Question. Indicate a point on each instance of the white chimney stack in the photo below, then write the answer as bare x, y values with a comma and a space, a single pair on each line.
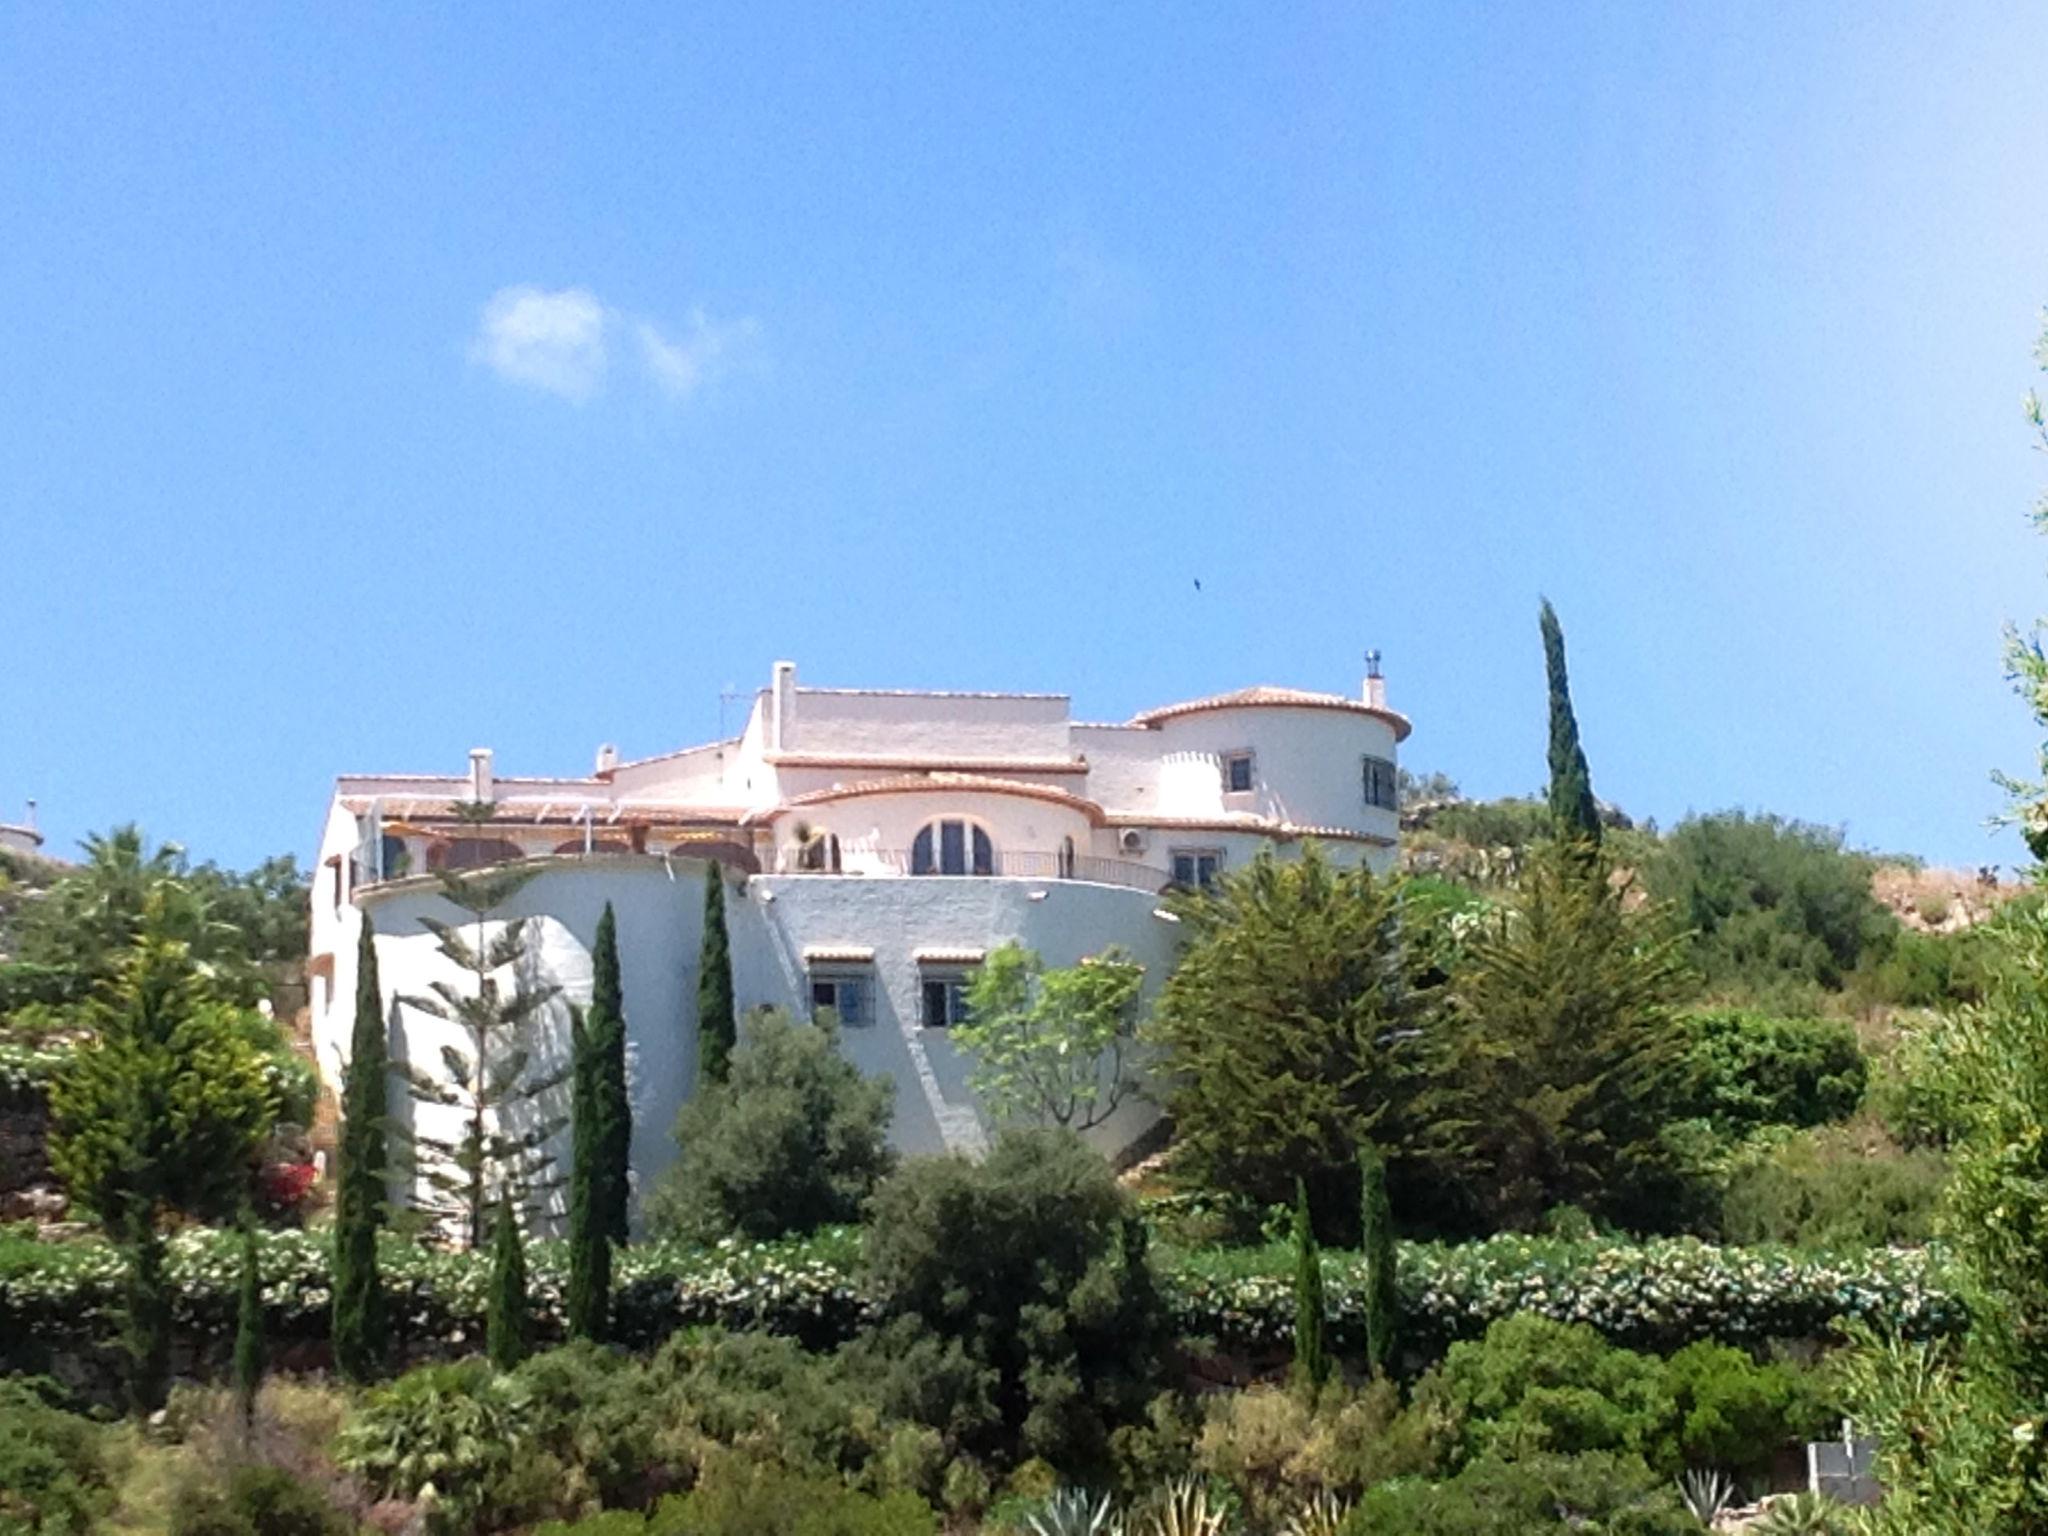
480, 786
782, 708
1375, 685
607, 758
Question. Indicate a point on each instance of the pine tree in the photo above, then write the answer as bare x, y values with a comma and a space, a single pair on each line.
362, 1193
490, 1082
716, 1026
1382, 1295
1572, 808
162, 1111
1311, 1361
506, 1327
613, 1146
249, 1350
589, 1290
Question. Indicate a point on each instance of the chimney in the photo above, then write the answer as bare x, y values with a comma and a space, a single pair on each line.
607, 759
1375, 685
480, 788
782, 708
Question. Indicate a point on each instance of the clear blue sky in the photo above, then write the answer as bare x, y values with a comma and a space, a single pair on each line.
377, 384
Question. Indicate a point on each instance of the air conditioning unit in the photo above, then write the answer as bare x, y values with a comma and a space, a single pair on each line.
1131, 840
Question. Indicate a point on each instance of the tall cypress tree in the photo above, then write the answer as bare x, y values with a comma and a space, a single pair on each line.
1572, 808
613, 1146
249, 1351
506, 1326
1311, 1359
589, 1291
717, 1029
359, 1207
1382, 1296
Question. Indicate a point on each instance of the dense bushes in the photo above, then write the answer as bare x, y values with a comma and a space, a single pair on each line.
53, 1473
1777, 909
1832, 1188
792, 1139
1033, 1262
1745, 1070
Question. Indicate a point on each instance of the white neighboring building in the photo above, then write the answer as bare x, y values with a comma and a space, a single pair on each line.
876, 844
22, 836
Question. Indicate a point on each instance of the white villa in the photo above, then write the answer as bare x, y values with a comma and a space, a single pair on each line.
875, 843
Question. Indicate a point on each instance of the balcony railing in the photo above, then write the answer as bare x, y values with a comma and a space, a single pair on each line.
1011, 863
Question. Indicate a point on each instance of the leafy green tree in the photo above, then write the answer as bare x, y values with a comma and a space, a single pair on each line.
717, 1023
1311, 1358
1382, 1287
793, 1139
494, 1080
162, 1111
250, 1354
1533, 1384
613, 1146
1291, 1031
362, 1194
1050, 1045
507, 1324
1570, 1042
1572, 807
1746, 1070
1777, 908
1023, 1260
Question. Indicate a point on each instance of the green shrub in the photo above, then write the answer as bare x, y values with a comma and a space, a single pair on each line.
1277, 1451
793, 1139
590, 1410
1505, 823
1736, 1414
1746, 1069
463, 1429
1601, 1494
612, 1522
753, 1498
1533, 1385
53, 1473
256, 1501
1777, 908
1829, 1189
1929, 970
1033, 1261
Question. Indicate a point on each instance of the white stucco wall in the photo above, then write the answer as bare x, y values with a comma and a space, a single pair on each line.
887, 824
943, 724
1307, 765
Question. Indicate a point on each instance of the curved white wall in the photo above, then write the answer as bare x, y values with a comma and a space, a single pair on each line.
1307, 765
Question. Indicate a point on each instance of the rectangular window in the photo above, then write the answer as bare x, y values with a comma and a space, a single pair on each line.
848, 995
1381, 790
1237, 773
1196, 868
942, 999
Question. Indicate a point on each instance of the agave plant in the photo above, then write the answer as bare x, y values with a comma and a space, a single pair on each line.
1706, 1493
1322, 1515
1182, 1508
1073, 1512
1804, 1514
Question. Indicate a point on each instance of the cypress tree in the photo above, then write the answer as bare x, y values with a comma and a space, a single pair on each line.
505, 1319
1382, 1298
249, 1350
146, 1310
1572, 809
1311, 1361
589, 1251
716, 1028
360, 1200
613, 1146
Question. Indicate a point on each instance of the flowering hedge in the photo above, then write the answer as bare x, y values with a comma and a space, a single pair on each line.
1658, 1295
1655, 1295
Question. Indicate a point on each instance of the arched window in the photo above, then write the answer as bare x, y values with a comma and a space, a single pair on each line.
952, 847
1066, 858
394, 859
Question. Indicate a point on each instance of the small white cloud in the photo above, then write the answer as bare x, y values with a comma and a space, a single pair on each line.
708, 350
547, 339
